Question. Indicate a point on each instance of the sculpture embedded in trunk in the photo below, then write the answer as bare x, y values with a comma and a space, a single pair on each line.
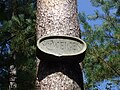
57, 18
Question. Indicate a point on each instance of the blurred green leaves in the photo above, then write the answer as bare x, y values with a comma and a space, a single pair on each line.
18, 34
102, 57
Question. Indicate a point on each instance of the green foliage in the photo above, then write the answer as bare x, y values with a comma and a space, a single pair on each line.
17, 42
102, 56
18, 34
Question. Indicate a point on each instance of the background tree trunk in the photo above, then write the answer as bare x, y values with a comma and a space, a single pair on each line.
58, 17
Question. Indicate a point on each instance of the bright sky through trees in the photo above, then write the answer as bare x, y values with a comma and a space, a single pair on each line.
86, 7
101, 32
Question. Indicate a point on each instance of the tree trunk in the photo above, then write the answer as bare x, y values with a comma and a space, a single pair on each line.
58, 17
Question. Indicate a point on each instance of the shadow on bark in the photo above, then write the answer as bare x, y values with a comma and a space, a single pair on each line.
72, 70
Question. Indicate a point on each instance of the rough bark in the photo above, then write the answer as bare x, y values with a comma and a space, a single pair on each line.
58, 17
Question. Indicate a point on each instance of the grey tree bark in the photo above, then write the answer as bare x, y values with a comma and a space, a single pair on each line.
58, 17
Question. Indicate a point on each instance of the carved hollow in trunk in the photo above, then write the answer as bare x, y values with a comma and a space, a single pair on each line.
58, 17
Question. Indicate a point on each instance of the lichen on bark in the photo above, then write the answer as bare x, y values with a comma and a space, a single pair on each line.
58, 17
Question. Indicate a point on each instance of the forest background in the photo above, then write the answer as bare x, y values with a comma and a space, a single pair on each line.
100, 30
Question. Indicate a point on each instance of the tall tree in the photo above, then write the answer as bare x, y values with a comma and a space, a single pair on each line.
58, 17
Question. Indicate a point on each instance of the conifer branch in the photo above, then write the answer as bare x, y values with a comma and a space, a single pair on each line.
6, 40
